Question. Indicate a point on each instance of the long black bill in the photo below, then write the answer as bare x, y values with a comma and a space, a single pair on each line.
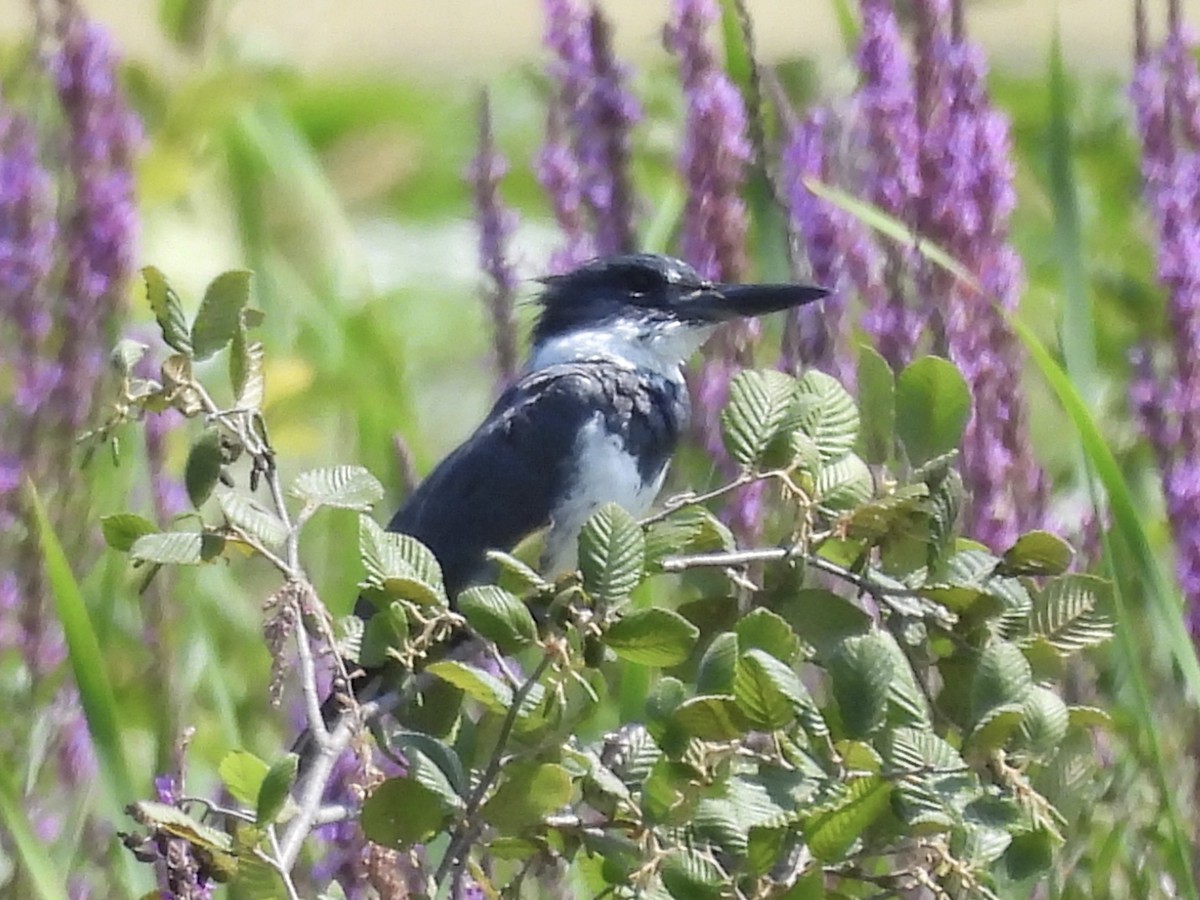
731, 301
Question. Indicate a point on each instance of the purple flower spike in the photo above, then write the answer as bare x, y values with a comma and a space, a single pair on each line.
584, 162
1166, 97
496, 226
103, 136
716, 149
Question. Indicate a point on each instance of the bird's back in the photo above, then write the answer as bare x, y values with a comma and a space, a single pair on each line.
562, 441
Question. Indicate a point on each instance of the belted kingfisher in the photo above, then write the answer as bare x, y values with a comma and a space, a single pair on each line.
594, 418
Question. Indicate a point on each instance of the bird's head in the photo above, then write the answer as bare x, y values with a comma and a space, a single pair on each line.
648, 308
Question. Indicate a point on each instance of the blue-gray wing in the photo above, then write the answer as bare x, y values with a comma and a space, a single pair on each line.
502, 483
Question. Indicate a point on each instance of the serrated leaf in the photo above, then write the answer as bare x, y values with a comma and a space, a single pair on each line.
1068, 615
246, 375
1030, 854
251, 517
687, 875
995, 727
517, 575
830, 418
401, 812
1044, 722
126, 355
691, 529
123, 529
1002, 677
181, 548
476, 683
1089, 717
933, 404
767, 631
342, 487
905, 698
900, 513
862, 670
845, 483
877, 402
168, 311
823, 619
203, 466
179, 824
761, 405
652, 637
386, 630
399, 567
426, 771
273, 793
832, 832
767, 691
499, 616
242, 773
611, 553
528, 792
714, 717
1037, 553
438, 753
220, 314
715, 672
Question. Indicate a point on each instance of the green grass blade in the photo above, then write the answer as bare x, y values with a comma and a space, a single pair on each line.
31, 854
1128, 524
87, 662
889, 226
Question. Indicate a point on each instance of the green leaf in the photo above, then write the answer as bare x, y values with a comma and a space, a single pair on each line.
342, 487
905, 698
402, 812
767, 690
528, 792
476, 683
1030, 854
426, 768
246, 371
127, 354
1067, 613
1044, 722
823, 618
168, 311
933, 404
499, 616
1002, 677
180, 548
899, 514
220, 314
715, 672
845, 483
1037, 553
767, 631
203, 468
687, 875
862, 670
242, 773
248, 515
652, 637
123, 529
830, 417
517, 575
399, 566
830, 833
877, 402
611, 553
88, 661
761, 406
714, 717
273, 793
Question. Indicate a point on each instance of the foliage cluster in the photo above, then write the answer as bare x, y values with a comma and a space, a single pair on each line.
868, 700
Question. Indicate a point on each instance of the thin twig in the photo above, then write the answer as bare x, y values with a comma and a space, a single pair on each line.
467, 822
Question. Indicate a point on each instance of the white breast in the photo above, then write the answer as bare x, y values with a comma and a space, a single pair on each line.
606, 474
